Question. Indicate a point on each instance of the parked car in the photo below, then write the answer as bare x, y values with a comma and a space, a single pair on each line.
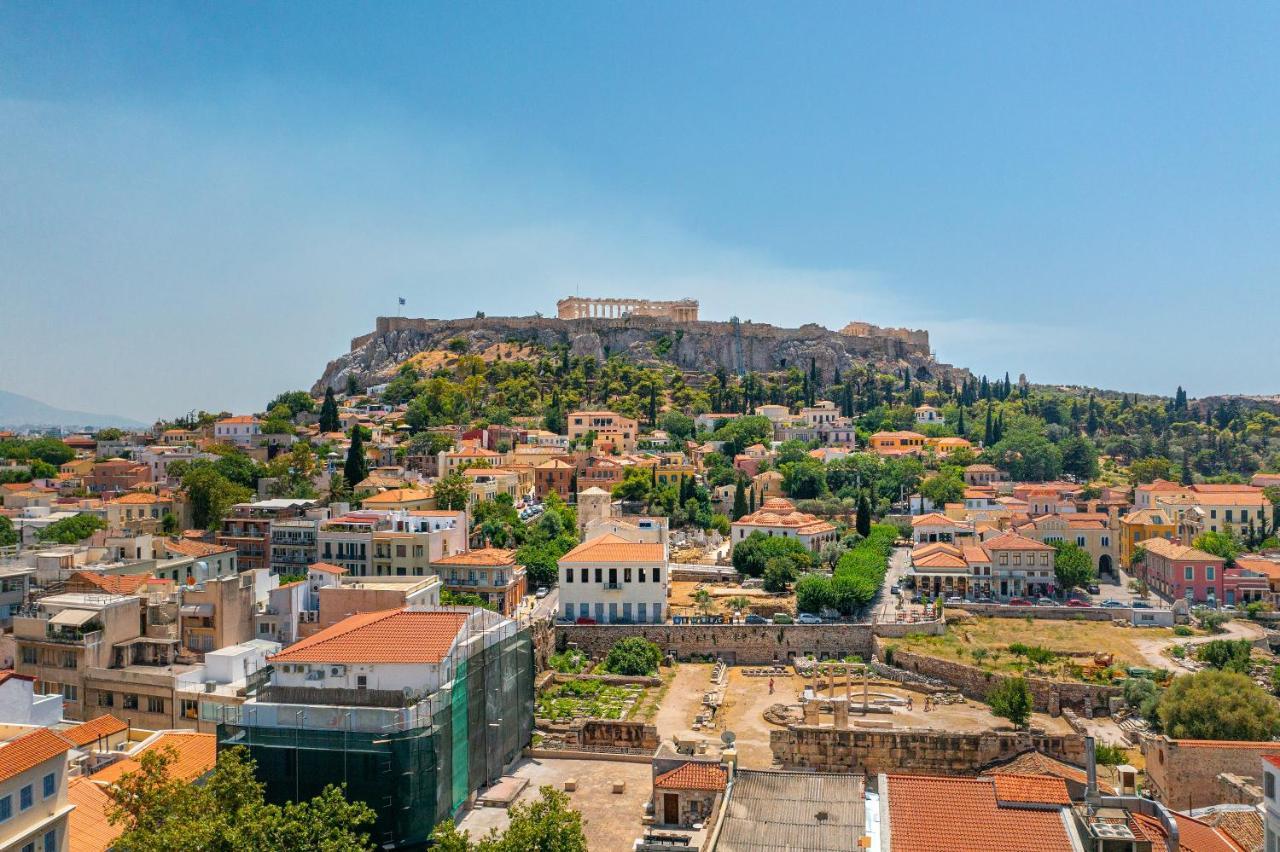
755, 619
782, 618
1112, 604
1093, 589
984, 599
894, 590
954, 599
1046, 602
1019, 602
585, 620
1140, 605
541, 592
807, 618
1076, 602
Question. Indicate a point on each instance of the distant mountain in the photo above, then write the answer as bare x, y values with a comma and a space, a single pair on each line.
17, 411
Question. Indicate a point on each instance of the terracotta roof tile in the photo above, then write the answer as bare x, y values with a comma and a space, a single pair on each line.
612, 548
695, 775
483, 556
116, 584
1013, 541
1041, 789
326, 568
937, 814
88, 829
191, 547
29, 751
196, 755
91, 731
389, 636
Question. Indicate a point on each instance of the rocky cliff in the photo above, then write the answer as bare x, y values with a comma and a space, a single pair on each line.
691, 346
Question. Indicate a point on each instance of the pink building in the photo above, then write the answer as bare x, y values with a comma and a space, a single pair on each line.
1173, 571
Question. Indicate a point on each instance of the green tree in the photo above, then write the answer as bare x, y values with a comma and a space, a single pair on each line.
813, 593
8, 535
1147, 470
296, 401
1231, 655
329, 413
1072, 565
779, 572
1079, 457
739, 500
1011, 699
159, 812
356, 469
862, 523
943, 488
1221, 544
547, 824
451, 492
71, 530
633, 655
1218, 705
804, 480
169, 524
211, 494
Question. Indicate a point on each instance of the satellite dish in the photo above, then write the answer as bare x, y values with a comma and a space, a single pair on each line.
728, 737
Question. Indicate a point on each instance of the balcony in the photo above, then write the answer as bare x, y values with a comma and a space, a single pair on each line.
613, 586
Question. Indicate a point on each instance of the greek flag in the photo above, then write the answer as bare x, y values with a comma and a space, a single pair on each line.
402, 300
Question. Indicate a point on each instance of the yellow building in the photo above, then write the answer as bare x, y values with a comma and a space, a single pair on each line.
1140, 525
401, 498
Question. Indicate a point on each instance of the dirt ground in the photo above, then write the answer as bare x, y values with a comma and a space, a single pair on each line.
764, 603
612, 820
747, 698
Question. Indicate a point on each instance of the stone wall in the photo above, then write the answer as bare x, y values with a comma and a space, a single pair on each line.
736, 644
1050, 696
1053, 613
1184, 773
911, 751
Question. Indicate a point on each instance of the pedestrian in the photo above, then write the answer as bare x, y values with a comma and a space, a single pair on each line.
771, 686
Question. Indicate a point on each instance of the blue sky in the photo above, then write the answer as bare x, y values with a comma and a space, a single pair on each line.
201, 204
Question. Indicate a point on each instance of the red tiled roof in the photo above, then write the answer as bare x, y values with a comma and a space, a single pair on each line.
29, 751
1193, 835
191, 547
389, 636
1013, 541
116, 584
483, 556
612, 548
88, 829
93, 730
196, 755
327, 568
937, 814
695, 775
1041, 789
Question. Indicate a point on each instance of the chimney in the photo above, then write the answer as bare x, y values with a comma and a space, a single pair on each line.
1091, 797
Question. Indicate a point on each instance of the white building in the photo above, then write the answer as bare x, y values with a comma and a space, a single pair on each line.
779, 517
928, 414
612, 580
240, 431
1270, 802
20, 704
33, 792
406, 651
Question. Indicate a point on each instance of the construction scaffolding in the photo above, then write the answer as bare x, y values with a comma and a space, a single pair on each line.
413, 765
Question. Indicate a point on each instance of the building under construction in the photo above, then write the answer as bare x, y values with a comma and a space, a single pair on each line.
412, 709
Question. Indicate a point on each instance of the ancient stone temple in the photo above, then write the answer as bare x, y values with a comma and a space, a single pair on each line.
581, 307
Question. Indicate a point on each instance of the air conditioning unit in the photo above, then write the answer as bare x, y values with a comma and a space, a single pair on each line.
337, 671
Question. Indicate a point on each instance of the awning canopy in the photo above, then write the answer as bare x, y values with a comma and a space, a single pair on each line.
203, 610
73, 617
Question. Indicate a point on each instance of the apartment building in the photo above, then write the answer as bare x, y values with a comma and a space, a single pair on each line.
416, 539
61, 637
117, 476
293, 544
240, 431
248, 528
184, 556
491, 573
612, 431
137, 511
347, 541
554, 475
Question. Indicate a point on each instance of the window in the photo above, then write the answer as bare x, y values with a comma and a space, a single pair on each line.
6, 808
68, 659
599, 575
362, 681
154, 704
50, 785
1188, 572
582, 577
1079, 541
130, 702
28, 655
641, 579
31, 847
70, 692
657, 575
1208, 573
568, 575
26, 797
51, 841
626, 575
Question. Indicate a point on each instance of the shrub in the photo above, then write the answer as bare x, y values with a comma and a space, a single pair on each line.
1217, 705
1110, 755
1011, 699
633, 655
1182, 630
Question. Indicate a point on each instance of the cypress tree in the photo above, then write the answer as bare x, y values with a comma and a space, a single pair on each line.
356, 470
863, 521
751, 506
1186, 468
739, 500
988, 434
329, 412
960, 422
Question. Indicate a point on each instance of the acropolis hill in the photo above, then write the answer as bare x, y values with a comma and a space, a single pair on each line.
644, 331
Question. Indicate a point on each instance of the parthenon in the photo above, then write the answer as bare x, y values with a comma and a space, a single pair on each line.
580, 307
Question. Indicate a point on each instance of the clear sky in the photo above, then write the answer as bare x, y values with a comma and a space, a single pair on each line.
201, 204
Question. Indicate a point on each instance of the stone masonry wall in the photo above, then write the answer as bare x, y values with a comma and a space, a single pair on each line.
1050, 696
911, 751
1184, 773
736, 644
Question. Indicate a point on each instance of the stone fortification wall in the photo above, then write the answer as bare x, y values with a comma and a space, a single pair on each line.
737, 644
911, 751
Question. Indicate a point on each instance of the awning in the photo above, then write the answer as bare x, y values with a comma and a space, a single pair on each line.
202, 610
73, 617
